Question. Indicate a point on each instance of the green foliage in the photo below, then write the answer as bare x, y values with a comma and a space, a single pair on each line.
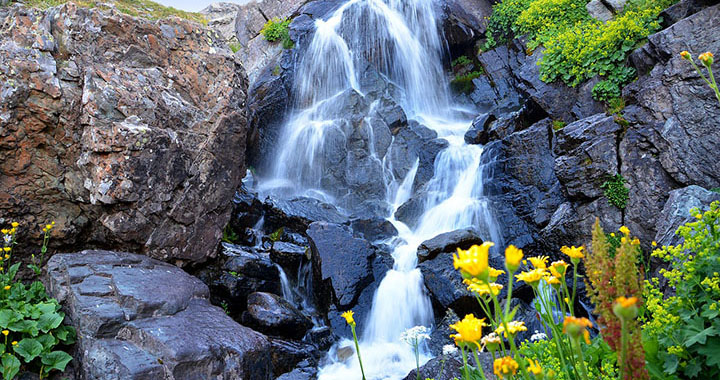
616, 106
501, 24
543, 19
599, 357
682, 331
558, 125
462, 60
615, 191
463, 84
235, 46
716, 190
230, 236
276, 29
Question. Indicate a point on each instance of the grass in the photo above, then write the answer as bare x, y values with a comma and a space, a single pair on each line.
136, 8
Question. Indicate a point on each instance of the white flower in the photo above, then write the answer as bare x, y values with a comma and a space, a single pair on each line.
415, 335
449, 349
8, 239
538, 336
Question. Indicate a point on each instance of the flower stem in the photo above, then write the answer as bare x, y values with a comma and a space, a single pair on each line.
417, 360
357, 350
578, 351
623, 347
572, 300
465, 365
479, 366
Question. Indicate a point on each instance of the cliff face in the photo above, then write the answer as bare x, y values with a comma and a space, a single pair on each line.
127, 133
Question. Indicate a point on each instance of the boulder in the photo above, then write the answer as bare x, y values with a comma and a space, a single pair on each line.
288, 255
448, 242
297, 214
676, 212
341, 263
599, 11
272, 315
478, 132
375, 229
290, 356
112, 129
587, 155
572, 224
137, 318
414, 143
452, 368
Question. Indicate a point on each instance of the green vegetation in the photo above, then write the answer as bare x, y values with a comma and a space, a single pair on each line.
615, 191
137, 8
235, 46
462, 84
558, 125
599, 358
682, 332
462, 60
578, 47
30, 321
276, 29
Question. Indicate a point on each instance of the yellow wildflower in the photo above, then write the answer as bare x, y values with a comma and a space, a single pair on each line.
575, 327
474, 261
706, 58
654, 243
6, 249
625, 230
15, 224
626, 308
494, 273
573, 252
7, 257
348, 315
685, 55
491, 342
552, 280
5, 332
513, 326
531, 277
559, 268
513, 256
5, 231
482, 288
539, 262
534, 367
505, 367
14, 342
469, 330
7, 287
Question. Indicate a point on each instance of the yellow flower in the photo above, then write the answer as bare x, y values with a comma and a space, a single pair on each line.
348, 315
494, 273
505, 367
559, 268
5, 231
7, 287
5, 332
706, 58
491, 341
7, 257
513, 326
552, 280
531, 277
685, 55
513, 256
469, 330
14, 343
534, 367
6, 249
626, 308
573, 252
539, 262
482, 288
474, 261
575, 327
654, 243
625, 230
15, 224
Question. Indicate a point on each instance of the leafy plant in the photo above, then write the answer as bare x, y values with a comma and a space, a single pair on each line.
707, 59
558, 125
615, 191
501, 24
277, 29
682, 331
235, 46
229, 235
462, 60
463, 84
543, 19
600, 359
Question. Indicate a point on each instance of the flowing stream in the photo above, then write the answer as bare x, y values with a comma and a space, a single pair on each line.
401, 39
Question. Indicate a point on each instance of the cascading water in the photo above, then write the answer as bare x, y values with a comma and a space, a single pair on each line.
401, 41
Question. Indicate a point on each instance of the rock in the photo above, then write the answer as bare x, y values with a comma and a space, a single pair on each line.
676, 212
288, 255
272, 315
440, 334
113, 130
298, 213
221, 18
681, 10
598, 10
247, 209
375, 229
505, 125
306, 370
587, 155
415, 143
616, 6
498, 88
452, 368
448, 242
572, 224
478, 132
341, 263
137, 318
411, 211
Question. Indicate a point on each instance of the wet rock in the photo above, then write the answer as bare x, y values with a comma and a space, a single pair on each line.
587, 155
508, 123
572, 223
306, 370
676, 212
448, 242
153, 319
116, 133
341, 263
271, 314
498, 88
247, 209
321, 337
598, 10
298, 213
415, 143
452, 368
411, 211
375, 229
440, 335
478, 132
288, 255
286, 355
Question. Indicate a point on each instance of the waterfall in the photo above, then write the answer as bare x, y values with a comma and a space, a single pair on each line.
401, 40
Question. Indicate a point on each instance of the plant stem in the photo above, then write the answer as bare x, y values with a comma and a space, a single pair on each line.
714, 85
578, 351
623, 348
465, 366
572, 300
417, 360
479, 366
357, 350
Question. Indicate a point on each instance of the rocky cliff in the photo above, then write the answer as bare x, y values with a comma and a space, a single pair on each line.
127, 133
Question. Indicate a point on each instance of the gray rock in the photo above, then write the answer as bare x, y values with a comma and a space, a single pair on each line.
153, 320
616, 5
452, 368
341, 263
598, 10
676, 212
478, 132
587, 155
448, 242
572, 223
272, 315
288, 255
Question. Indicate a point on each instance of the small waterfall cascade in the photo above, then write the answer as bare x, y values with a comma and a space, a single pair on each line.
401, 40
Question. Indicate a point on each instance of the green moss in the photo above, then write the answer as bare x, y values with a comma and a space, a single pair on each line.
558, 125
462, 84
616, 192
136, 8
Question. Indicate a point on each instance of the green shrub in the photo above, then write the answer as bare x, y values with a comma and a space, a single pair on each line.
235, 46
616, 192
682, 331
462, 84
462, 60
599, 357
276, 29
544, 19
501, 24
558, 125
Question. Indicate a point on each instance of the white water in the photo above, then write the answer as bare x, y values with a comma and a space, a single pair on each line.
401, 40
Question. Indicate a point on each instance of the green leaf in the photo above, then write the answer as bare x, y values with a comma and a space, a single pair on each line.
671, 363
13, 271
66, 334
711, 351
48, 341
9, 316
696, 333
10, 366
25, 326
29, 349
49, 321
56, 360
